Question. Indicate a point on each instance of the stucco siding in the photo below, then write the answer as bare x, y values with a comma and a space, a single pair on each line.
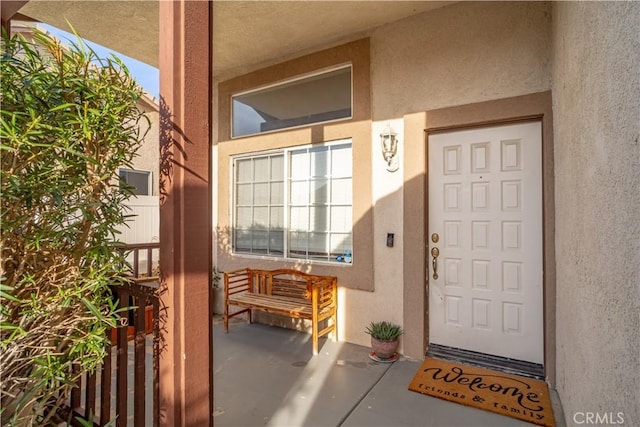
149, 153
460, 54
456, 55
596, 89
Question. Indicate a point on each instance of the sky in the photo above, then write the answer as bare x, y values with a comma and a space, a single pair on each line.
146, 75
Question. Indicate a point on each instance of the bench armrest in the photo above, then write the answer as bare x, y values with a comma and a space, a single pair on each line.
324, 292
238, 281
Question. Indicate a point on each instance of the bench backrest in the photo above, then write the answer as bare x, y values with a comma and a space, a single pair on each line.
291, 287
285, 282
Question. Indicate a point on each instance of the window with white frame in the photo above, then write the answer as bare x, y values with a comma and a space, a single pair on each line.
138, 181
295, 203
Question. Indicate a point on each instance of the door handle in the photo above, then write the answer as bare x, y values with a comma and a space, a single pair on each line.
435, 252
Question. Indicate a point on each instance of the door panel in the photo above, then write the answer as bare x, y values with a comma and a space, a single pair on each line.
485, 206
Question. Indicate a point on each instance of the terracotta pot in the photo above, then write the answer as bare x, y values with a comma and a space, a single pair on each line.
384, 349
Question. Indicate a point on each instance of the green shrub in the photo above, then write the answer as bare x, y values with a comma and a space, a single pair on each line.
68, 121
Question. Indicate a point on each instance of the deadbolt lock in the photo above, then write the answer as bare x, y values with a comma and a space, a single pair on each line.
435, 237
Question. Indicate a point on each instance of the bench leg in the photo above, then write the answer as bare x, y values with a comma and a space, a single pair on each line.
334, 318
228, 315
314, 337
315, 328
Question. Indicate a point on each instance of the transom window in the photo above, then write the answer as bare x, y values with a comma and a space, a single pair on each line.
295, 203
305, 100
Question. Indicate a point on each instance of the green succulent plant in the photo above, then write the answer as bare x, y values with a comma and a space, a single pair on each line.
384, 331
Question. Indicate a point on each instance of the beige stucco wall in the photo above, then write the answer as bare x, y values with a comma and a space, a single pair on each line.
456, 55
148, 154
460, 54
596, 93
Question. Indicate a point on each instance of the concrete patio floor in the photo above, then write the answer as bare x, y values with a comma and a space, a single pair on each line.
267, 376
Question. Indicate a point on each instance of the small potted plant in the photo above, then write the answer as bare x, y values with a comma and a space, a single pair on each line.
384, 340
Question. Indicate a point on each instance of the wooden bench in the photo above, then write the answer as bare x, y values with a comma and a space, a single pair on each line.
289, 293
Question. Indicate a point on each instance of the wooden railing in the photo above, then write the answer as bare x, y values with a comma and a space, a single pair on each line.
103, 396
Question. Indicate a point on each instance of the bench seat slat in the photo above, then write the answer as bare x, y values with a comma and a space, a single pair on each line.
292, 306
289, 306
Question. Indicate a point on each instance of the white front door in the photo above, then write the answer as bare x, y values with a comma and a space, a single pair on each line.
485, 220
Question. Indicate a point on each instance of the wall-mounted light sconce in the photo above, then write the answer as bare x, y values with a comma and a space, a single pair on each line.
389, 141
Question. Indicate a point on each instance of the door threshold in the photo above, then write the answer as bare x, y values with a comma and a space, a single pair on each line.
487, 361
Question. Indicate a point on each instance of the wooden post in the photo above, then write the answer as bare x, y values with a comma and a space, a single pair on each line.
186, 368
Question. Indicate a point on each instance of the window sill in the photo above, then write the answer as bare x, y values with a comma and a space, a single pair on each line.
294, 261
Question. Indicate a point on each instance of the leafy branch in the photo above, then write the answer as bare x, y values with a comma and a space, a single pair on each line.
69, 120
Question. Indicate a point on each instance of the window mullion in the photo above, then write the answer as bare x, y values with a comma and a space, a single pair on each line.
286, 188
253, 205
309, 227
327, 177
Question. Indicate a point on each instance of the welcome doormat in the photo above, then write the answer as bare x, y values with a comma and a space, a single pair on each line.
518, 397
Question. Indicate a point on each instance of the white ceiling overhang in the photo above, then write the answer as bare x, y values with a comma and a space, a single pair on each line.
245, 33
